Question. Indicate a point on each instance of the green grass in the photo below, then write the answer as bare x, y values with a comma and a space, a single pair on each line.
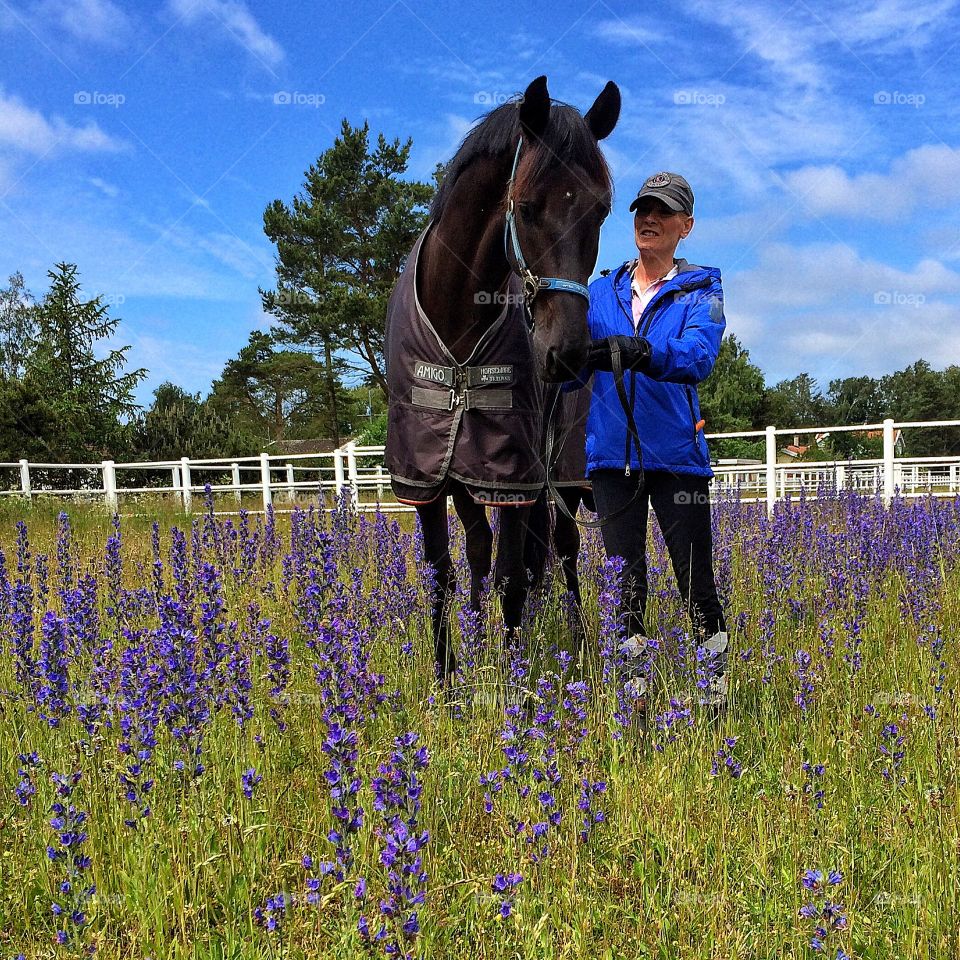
688, 865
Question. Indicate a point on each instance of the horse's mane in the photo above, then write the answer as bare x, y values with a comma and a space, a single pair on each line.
567, 139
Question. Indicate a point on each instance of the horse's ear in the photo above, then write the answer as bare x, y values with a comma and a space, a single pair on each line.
535, 108
602, 117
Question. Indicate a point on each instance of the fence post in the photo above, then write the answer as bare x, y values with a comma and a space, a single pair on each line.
235, 470
841, 478
25, 479
771, 469
109, 484
186, 484
265, 479
953, 479
888, 452
352, 475
291, 489
338, 480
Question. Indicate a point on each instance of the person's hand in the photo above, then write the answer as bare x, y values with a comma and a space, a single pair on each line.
634, 353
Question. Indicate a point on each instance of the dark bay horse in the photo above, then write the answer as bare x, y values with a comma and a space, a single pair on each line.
532, 167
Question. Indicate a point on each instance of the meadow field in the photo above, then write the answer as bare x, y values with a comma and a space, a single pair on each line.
221, 737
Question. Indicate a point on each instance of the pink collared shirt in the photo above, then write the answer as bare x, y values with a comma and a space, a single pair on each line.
641, 297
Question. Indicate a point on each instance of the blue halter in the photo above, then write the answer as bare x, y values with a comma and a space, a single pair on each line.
532, 284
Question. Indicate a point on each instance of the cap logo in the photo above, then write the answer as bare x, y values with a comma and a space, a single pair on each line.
658, 180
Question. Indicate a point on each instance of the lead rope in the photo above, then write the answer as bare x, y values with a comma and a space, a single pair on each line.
632, 433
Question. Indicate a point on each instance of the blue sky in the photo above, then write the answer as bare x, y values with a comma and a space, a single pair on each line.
143, 142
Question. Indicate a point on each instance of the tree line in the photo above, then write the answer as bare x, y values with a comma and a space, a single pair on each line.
67, 393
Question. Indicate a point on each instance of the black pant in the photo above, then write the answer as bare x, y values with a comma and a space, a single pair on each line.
682, 505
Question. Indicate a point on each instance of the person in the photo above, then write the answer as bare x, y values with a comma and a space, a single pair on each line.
664, 318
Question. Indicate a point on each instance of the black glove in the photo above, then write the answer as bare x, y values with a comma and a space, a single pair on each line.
634, 353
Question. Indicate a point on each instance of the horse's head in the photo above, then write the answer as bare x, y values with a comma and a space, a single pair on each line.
561, 193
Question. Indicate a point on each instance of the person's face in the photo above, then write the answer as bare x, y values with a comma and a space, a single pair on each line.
658, 229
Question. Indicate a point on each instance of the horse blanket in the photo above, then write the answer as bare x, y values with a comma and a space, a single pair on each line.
480, 421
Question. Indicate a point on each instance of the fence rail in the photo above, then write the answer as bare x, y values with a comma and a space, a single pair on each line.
275, 476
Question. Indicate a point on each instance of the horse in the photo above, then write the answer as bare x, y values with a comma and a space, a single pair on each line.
488, 316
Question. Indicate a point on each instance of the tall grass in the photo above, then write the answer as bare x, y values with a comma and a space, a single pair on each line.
843, 618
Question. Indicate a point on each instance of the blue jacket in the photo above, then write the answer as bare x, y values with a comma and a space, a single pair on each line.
684, 323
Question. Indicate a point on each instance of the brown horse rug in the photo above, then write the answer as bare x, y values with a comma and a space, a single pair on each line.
480, 422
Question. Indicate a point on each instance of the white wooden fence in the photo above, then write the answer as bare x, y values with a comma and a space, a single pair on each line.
278, 478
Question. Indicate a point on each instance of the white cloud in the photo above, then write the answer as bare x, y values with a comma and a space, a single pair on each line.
252, 262
90, 21
892, 25
784, 44
927, 177
825, 309
237, 20
106, 188
184, 363
28, 130
629, 33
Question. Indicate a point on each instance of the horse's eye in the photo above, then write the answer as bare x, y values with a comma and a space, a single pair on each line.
569, 195
527, 212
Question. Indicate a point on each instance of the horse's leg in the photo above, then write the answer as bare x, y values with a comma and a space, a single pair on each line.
510, 573
436, 550
566, 539
479, 538
536, 545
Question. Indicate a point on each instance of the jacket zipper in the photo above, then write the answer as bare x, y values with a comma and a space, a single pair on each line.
693, 419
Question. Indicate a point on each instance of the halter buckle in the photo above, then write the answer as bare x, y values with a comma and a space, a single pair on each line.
531, 287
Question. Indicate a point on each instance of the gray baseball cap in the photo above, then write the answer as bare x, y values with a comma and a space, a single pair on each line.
671, 188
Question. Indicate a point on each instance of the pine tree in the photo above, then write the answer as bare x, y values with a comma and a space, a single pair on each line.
89, 398
340, 248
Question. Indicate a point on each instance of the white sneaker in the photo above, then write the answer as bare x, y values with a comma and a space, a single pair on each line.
633, 651
715, 692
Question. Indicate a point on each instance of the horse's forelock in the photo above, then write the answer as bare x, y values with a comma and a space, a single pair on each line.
567, 140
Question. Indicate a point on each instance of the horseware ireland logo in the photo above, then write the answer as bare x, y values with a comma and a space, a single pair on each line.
658, 180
